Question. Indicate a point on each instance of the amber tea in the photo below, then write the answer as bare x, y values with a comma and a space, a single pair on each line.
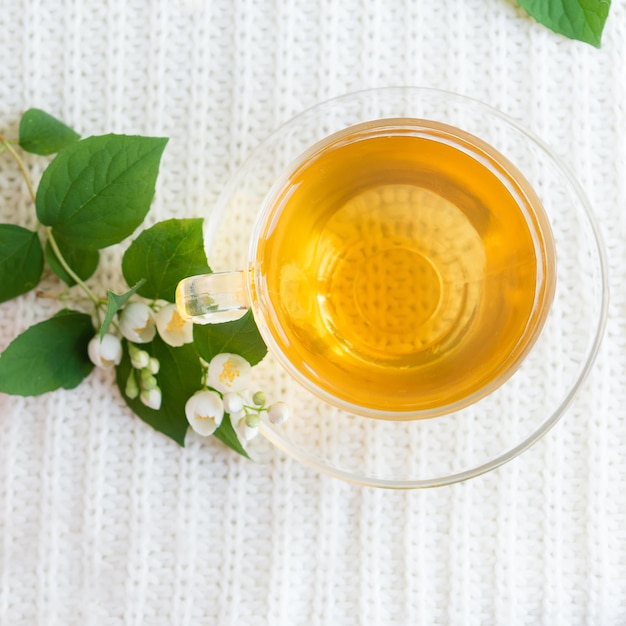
404, 266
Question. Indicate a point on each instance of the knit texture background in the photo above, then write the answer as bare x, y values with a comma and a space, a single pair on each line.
104, 522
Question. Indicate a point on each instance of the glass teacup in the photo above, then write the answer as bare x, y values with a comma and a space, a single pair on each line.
406, 255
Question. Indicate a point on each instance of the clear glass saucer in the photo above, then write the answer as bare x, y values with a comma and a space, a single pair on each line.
490, 432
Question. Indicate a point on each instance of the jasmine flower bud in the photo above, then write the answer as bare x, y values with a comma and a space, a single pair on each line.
137, 322
204, 412
259, 398
154, 365
139, 358
105, 353
151, 398
229, 373
173, 329
132, 388
233, 402
253, 420
278, 413
148, 381
244, 432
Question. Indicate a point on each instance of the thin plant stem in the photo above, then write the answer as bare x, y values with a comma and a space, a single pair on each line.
20, 163
77, 279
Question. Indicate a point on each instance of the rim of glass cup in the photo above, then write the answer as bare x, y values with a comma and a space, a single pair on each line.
314, 462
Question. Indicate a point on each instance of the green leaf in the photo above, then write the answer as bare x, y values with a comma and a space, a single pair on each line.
179, 377
40, 133
83, 262
48, 356
577, 19
165, 254
115, 303
237, 337
21, 261
227, 435
98, 190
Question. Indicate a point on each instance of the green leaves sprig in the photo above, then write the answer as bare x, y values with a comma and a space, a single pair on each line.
583, 20
93, 194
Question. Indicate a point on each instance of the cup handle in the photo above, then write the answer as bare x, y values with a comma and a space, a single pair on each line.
213, 298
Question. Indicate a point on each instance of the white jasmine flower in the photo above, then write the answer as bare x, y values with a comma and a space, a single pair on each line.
154, 365
137, 322
204, 411
173, 329
233, 402
278, 413
151, 398
105, 353
244, 431
229, 373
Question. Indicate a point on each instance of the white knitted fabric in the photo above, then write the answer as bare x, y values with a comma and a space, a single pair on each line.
105, 522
